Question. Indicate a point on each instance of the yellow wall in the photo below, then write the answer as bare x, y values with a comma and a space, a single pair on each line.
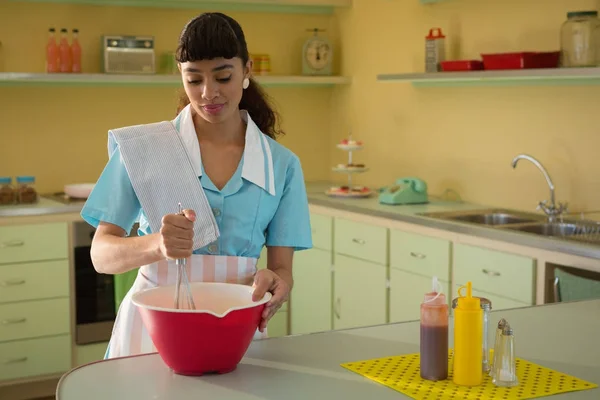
59, 134
465, 138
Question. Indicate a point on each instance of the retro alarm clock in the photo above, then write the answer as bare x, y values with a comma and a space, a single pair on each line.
317, 55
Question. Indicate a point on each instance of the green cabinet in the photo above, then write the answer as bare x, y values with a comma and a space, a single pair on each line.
497, 275
361, 274
278, 324
359, 293
311, 297
414, 260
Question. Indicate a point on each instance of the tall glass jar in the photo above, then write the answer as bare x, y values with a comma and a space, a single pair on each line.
7, 192
26, 192
580, 40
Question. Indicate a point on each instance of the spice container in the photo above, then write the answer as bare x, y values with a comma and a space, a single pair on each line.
7, 192
505, 369
501, 324
434, 335
579, 39
468, 340
26, 193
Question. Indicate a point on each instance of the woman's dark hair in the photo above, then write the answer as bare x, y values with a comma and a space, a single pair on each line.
215, 35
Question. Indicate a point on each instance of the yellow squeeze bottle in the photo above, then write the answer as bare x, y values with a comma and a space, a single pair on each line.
468, 339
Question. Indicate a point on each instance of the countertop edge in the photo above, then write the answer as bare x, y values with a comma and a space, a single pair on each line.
501, 235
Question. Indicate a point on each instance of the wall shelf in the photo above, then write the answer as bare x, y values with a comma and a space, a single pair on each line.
33, 79
278, 6
524, 77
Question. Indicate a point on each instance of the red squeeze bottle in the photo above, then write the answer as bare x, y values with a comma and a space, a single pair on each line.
434, 335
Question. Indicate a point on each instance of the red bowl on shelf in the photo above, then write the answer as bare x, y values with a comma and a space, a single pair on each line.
522, 60
212, 338
461, 65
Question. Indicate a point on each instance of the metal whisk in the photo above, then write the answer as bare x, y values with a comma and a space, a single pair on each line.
182, 273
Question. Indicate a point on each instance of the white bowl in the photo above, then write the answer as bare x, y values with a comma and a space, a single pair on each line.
79, 190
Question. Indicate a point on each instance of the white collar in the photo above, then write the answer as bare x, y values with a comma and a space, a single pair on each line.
255, 168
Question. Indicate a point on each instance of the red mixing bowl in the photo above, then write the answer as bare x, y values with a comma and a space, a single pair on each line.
211, 339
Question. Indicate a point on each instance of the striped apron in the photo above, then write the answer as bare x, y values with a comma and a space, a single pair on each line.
162, 176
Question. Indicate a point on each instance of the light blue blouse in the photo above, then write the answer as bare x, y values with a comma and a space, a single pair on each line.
264, 202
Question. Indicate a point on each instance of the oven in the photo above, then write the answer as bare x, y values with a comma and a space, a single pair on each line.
95, 309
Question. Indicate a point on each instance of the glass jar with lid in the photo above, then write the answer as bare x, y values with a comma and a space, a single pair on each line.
580, 40
26, 193
7, 191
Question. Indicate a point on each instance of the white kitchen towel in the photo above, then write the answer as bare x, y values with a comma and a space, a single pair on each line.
162, 176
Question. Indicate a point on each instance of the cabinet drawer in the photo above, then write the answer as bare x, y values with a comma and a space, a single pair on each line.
322, 230
22, 243
507, 275
360, 240
34, 281
423, 255
28, 358
30, 319
498, 302
406, 295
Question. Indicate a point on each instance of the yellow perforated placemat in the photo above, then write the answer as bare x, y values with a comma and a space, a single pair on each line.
402, 373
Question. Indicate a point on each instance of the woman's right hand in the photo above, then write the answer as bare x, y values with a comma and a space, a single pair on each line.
177, 234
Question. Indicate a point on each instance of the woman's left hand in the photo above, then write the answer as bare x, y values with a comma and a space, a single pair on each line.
266, 280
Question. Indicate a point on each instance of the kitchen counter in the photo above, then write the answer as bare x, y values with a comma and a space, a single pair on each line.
371, 207
561, 336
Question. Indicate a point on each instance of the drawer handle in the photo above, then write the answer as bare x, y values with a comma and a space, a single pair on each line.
418, 255
15, 360
13, 282
12, 243
337, 308
358, 241
490, 273
12, 321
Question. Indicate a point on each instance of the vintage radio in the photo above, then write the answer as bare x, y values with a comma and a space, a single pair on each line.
128, 54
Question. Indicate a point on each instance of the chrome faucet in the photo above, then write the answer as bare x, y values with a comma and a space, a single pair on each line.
553, 210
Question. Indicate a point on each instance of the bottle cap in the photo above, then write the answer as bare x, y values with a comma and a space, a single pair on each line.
486, 304
25, 179
468, 302
435, 297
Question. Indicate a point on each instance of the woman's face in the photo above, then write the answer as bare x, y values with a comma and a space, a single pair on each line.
214, 87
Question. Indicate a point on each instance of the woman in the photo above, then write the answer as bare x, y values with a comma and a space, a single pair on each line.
239, 188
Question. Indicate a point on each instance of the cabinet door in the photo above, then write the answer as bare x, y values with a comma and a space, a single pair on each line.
498, 302
419, 254
406, 294
278, 324
311, 297
507, 275
360, 293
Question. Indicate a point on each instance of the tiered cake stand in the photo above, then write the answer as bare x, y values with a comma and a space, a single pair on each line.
349, 145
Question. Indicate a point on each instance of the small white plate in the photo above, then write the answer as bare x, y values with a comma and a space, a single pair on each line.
350, 147
350, 169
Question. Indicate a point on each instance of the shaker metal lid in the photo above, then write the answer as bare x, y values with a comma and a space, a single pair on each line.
486, 304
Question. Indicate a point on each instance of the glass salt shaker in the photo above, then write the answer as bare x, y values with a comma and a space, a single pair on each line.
505, 369
486, 305
501, 324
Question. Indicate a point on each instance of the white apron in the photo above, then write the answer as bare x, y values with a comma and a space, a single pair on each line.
162, 175
130, 337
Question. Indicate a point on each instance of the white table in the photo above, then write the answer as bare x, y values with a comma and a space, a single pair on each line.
565, 337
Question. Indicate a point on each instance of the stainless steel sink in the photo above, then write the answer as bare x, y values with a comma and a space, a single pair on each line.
491, 217
548, 229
